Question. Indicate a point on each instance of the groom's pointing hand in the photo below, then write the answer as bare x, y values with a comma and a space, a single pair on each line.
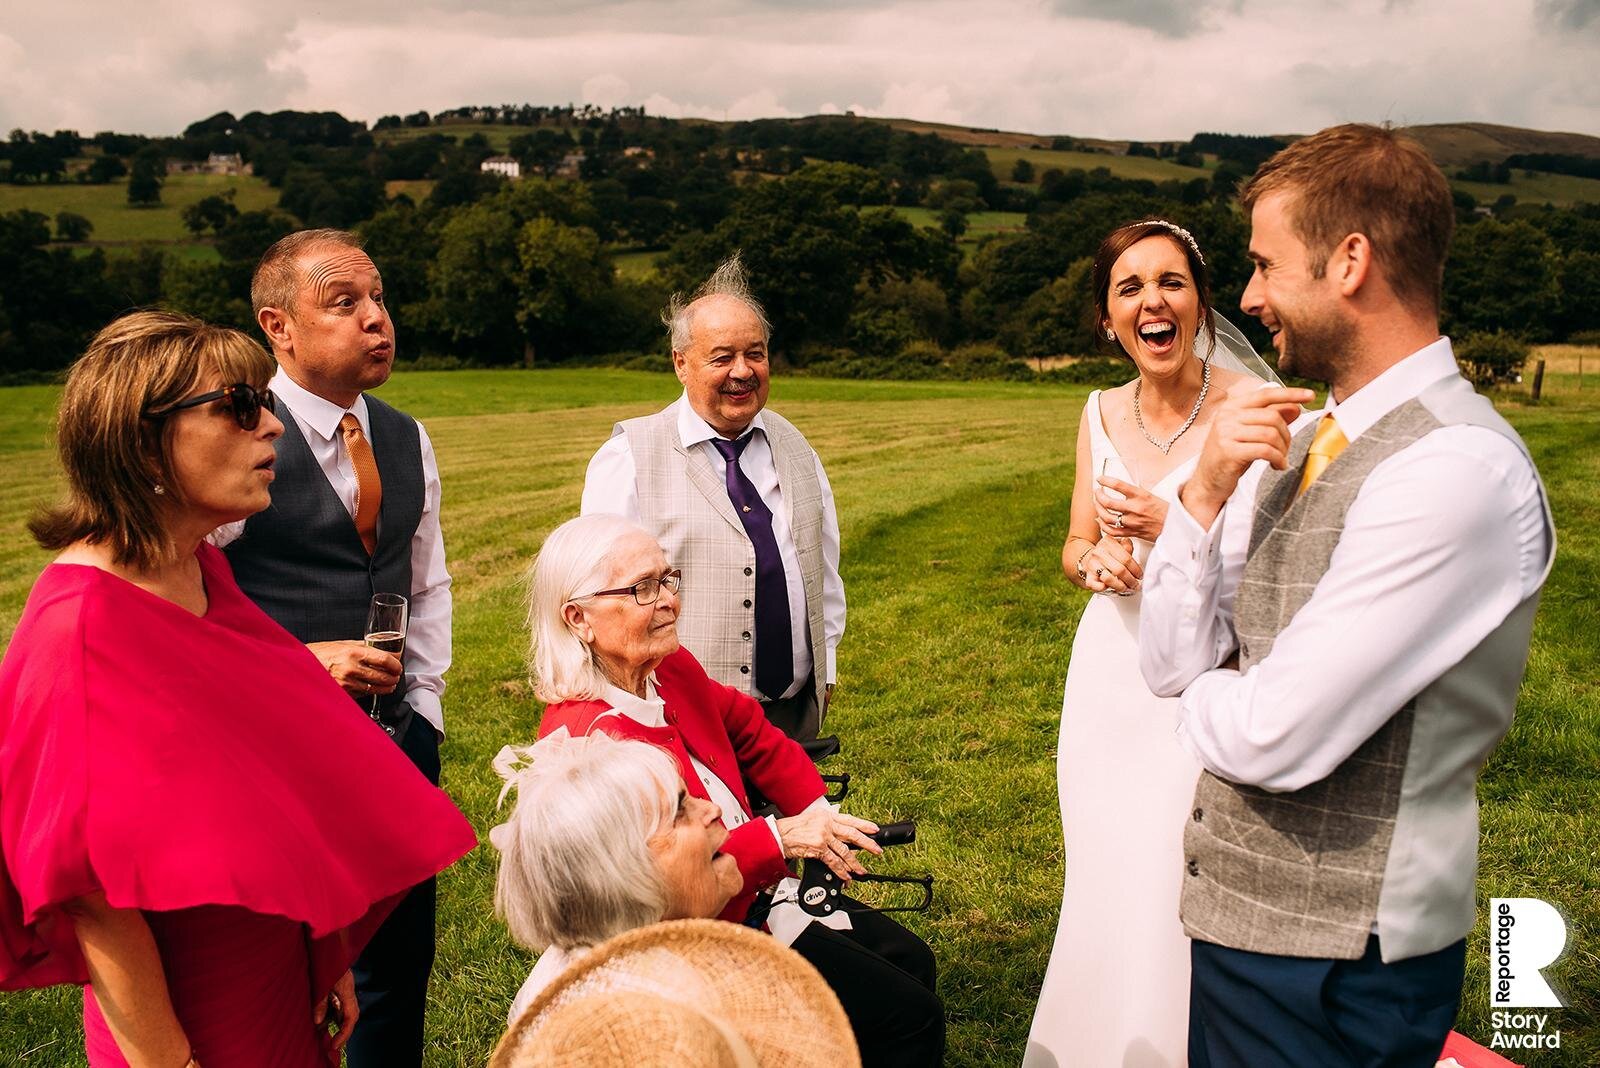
1251, 426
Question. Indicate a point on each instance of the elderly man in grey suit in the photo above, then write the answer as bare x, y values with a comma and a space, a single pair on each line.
1348, 623
739, 501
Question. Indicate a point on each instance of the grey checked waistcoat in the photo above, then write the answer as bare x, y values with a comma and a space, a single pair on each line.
684, 503
301, 558
1391, 835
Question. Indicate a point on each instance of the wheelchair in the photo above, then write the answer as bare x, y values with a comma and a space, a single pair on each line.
820, 888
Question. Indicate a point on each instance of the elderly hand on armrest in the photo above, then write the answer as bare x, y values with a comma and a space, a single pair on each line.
820, 833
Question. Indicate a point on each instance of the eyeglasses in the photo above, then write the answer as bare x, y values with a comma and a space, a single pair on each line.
645, 591
245, 400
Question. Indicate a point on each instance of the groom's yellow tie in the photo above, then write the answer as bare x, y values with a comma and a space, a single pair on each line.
1329, 441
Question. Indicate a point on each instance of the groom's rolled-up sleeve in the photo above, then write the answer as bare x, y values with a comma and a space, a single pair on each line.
1186, 617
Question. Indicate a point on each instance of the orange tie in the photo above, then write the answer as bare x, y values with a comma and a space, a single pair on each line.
1329, 441
369, 490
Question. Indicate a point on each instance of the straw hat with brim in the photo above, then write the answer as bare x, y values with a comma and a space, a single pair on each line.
684, 994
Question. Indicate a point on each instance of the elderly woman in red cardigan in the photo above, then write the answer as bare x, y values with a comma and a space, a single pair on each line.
603, 614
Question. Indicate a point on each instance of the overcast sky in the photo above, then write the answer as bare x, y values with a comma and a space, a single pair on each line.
1145, 69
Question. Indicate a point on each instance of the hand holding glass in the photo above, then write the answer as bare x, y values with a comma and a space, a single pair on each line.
386, 630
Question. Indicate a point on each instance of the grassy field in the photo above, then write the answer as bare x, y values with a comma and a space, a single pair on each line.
415, 188
980, 224
1156, 170
499, 137
950, 674
636, 263
1561, 190
116, 222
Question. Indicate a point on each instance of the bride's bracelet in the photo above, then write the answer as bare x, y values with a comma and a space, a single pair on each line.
1081, 557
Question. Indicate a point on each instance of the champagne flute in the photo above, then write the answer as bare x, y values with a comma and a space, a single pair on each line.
387, 617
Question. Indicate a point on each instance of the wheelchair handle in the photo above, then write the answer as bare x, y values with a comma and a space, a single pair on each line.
893, 834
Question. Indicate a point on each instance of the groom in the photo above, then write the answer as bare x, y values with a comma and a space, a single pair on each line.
1348, 624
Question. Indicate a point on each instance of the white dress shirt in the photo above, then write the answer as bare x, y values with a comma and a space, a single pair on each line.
611, 485
427, 653
1443, 540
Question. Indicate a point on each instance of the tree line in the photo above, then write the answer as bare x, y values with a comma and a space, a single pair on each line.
491, 271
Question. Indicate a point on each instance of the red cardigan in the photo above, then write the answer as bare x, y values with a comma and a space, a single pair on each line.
727, 732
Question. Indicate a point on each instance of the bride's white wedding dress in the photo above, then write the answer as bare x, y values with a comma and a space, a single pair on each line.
1116, 994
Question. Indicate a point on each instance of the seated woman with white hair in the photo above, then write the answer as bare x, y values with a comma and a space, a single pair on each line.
604, 838
603, 612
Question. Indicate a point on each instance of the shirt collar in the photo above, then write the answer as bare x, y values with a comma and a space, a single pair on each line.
316, 412
692, 429
647, 711
1394, 387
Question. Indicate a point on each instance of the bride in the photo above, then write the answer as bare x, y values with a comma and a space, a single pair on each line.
1116, 992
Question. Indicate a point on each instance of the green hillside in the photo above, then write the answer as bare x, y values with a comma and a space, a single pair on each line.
1562, 190
1135, 167
116, 222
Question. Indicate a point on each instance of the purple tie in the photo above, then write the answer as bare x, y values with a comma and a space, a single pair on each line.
774, 640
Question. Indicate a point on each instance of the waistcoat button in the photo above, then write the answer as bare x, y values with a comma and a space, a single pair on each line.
1194, 867
744, 669
1199, 814
748, 602
749, 571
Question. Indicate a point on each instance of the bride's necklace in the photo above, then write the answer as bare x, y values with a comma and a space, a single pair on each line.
1199, 402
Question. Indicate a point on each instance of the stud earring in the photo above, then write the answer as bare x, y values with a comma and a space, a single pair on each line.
159, 489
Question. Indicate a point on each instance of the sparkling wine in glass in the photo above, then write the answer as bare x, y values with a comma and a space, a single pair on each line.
386, 629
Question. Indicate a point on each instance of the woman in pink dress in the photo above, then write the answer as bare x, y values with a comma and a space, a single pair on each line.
195, 822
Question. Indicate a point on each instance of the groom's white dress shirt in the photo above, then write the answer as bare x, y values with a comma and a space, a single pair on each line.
1442, 542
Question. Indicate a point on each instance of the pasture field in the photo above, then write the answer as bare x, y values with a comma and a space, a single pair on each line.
953, 502
979, 223
636, 263
1156, 170
1562, 190
115, 222
415, 188
498, 136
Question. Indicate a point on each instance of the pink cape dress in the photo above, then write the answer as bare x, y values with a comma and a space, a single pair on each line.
208, 771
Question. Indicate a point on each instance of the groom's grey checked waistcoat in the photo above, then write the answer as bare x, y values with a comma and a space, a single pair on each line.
1391, 835
684, 503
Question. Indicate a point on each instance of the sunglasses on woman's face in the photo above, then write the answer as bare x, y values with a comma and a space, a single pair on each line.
245, 401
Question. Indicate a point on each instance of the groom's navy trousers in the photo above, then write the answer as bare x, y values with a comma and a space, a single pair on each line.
1255, 1010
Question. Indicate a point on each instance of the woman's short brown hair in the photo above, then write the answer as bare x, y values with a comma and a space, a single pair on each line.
1371, 180
1125, 237
114, 457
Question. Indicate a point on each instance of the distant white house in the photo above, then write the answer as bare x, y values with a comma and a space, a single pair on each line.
227, 164
570, 164
504, 166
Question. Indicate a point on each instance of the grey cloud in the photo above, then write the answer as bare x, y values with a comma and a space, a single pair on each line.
1169, 18
1568, 15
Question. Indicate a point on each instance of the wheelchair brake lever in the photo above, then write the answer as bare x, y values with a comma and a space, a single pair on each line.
820, 889
842, 781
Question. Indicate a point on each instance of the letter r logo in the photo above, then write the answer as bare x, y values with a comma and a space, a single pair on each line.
1526, 935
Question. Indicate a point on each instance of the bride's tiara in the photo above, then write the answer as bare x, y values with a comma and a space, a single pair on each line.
1188, 238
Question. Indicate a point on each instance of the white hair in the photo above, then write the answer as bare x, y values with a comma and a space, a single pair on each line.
574, 561
728, 280
575, 860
